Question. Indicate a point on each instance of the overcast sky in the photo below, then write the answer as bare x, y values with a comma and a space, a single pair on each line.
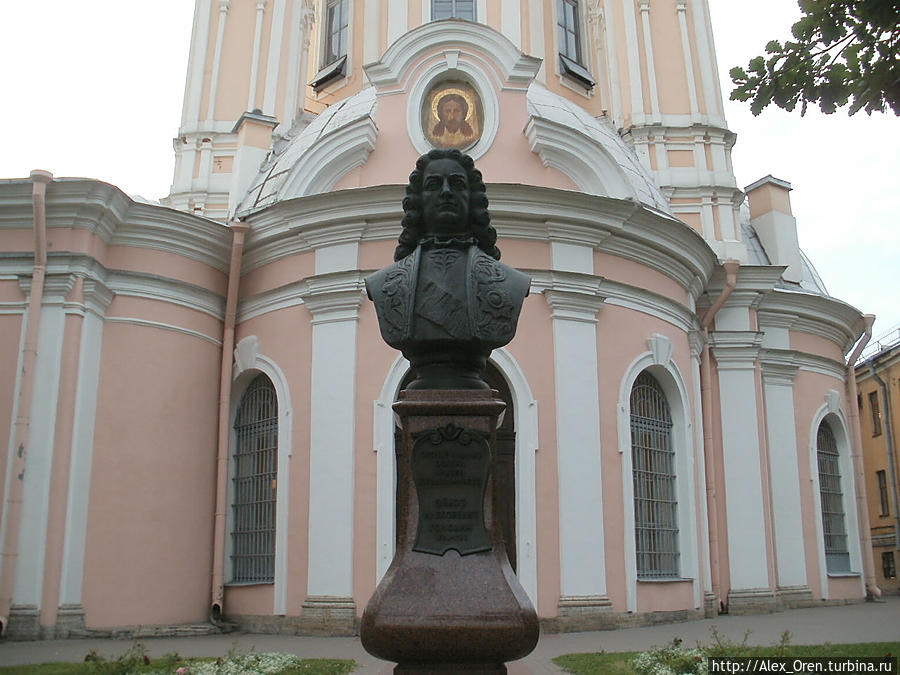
94, 88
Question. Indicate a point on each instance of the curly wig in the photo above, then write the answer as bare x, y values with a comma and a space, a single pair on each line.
479, 217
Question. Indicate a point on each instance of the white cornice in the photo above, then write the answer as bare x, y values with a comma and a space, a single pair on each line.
735, 349
619, 227
110, 214
161, 289
815, 314
333, 297
391, 71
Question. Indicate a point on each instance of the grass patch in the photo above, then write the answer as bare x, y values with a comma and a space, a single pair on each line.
670, 658
136, 661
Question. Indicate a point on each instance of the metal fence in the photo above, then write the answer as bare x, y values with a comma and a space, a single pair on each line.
253, 482
653, 466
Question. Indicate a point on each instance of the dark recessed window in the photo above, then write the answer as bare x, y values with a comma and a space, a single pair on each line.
883, 493
653, 469
834, 530
253, 484
875, 409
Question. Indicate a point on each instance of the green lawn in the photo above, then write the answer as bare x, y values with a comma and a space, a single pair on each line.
620, 663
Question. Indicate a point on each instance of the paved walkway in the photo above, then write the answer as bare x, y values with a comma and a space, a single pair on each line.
865, 622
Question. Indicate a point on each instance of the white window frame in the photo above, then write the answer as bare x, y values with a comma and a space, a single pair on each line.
659, 363
248, 364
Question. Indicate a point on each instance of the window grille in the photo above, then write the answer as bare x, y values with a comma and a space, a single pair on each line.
653, 465
883, 493
837, 557
457, 9
888, 567
253, 482
876, 413
568, 34
336, 27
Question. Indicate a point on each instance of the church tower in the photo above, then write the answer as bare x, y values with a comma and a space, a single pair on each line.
261, 70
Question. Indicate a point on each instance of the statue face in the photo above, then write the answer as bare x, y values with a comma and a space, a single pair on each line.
445, 197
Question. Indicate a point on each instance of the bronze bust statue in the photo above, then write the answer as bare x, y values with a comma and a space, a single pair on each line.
447, 301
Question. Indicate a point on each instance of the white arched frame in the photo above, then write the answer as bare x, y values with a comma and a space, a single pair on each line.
526, 426
248, 364
658, 362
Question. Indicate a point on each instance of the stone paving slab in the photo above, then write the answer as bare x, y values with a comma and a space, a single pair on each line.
863, 622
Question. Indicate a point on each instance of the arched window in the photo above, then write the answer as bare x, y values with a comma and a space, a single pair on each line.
253, 483
653, 469
837, 556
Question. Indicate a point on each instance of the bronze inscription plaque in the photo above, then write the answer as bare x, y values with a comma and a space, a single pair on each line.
450, 468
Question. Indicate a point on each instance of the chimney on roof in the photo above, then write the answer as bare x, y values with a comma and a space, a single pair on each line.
775, 225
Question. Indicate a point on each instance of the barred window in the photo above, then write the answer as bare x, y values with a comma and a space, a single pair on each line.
253, 482
888, 567
837, 556
874, 408
883, 493
458, 9
653, 465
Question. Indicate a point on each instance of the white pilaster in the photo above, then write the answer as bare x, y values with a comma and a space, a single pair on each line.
778, 380
96, 299
510, 21
736, 353
274, 61
607, 38
536, 36
398, 19
371, 48
193, 90
333, 300
254, 62
217, 59
648, 59
635, 84
581, 536
688, 61
29, 578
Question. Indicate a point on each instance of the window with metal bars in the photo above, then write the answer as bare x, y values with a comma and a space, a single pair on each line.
253, 484
883, 493
875, 409
456, 9
653, 469
837, 556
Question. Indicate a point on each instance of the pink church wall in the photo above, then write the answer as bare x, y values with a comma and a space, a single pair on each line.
532, 349
278, 273
813, 344
285, 337
10, 335
640, 276
655, 596
170, 265
149, 535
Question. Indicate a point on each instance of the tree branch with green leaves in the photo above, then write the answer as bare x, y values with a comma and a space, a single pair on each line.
843, 52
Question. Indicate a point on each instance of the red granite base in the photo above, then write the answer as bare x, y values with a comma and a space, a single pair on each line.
449, 612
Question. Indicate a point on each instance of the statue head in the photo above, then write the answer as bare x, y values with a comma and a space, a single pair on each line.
446, 197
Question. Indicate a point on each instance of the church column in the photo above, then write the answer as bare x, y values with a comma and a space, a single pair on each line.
736, 352
217, 58
254, 64
778, 371
334, 300
575, 303
24, 615
70, 614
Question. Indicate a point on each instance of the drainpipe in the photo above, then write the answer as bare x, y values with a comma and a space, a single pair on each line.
22, 423
891, 452
709, 452
859, 476
239, 230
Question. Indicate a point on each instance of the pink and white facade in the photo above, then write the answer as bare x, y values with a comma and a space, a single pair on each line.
609, 177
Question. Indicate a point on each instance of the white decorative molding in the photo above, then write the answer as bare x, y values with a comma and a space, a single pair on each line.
832, 401
454, 64
660, 348
246, 368
333, 297
658, 362
839, 427
392, 71
161, 289
245, 354
146, 323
